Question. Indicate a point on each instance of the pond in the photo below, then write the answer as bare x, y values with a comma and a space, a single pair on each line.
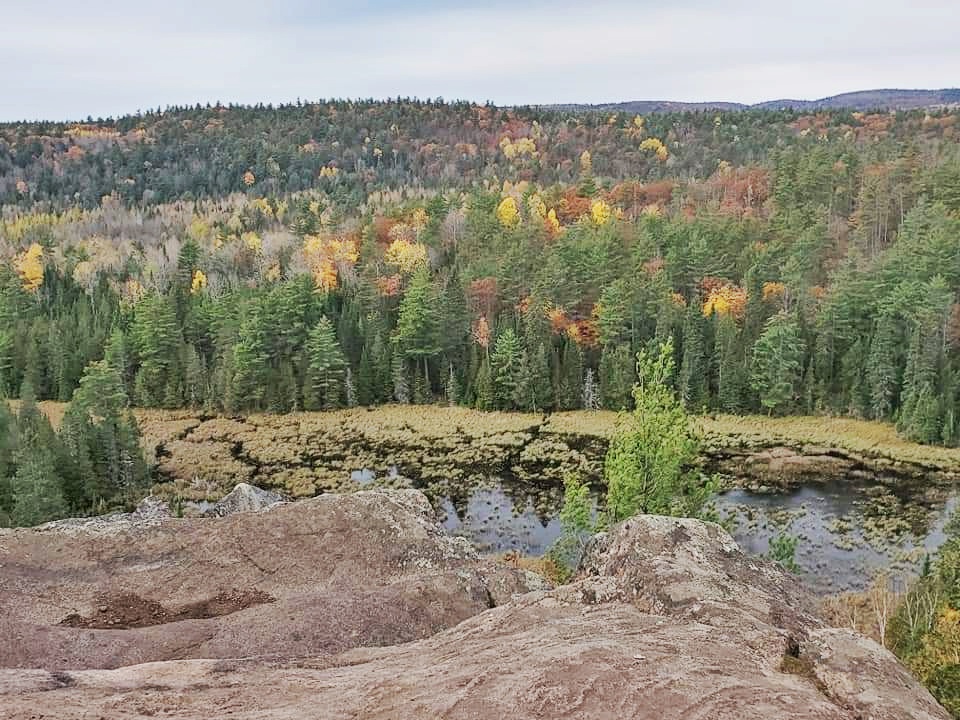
847, 531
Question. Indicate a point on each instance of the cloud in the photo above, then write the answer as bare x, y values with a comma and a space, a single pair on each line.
63, 60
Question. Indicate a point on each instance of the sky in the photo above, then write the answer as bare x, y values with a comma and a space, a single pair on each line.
66, 60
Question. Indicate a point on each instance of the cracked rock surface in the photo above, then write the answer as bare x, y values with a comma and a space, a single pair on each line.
374, 613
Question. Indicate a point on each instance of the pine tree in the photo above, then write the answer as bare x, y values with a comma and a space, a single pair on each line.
249, 372
8, 438
401, 380
7, 378
325, 367
417, 332
649, 465
102, 438
540, 386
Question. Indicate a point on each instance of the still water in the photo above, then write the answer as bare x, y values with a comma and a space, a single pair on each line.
847, 532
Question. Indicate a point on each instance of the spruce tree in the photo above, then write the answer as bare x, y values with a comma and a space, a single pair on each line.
103, 439
325, 368
728, 353
617, 376
540, 387
37, 496
693, 367
484, 397
506, 366
157, 341
883, 379
569, 390
777, 363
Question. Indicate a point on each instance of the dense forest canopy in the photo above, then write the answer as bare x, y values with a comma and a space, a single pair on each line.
318, 255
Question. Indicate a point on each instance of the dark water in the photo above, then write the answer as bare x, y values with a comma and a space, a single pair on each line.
847, 532
495, 522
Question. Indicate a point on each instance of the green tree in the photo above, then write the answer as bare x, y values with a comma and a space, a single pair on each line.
417, 332
37, 497
569, 389
326, 366
650, 465
694, 371
778, 363
616, 376
157, 341
102, 440
508, 370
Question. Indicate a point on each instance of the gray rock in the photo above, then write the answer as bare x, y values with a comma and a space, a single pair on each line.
244, 498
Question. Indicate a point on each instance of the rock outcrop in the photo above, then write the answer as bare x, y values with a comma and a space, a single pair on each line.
358, 607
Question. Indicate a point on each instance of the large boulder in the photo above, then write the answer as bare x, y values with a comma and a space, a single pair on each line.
666, 619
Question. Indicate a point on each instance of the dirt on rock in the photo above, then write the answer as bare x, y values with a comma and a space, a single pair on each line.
121, 612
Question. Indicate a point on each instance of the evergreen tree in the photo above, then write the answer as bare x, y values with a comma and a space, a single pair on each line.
326, 367
569, 389
37, 497
777, 363
103, 440
617, 376
539, 387
731, 380
249, 372
483, 386
506, 363
401, 380
157, 341
693, 367
417, 333
881, 367
649, 466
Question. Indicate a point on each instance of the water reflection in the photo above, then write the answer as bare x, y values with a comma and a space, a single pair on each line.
495, 521
847, 533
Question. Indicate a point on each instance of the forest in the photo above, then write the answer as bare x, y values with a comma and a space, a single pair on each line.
324, 255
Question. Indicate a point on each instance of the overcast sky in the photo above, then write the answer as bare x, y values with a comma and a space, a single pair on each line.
63, 59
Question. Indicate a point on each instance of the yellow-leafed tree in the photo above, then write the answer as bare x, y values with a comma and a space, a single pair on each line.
29, 266
600, 213
407, 256
508, 213
198, 283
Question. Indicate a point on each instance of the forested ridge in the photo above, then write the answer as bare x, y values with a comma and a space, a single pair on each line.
321, 255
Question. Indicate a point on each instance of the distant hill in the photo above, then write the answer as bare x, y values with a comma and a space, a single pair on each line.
885, 99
